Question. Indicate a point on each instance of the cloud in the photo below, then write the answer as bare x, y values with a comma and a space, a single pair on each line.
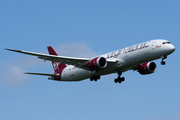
13, 71
14, 76
175, 115
155, 117
172, 115
76, 50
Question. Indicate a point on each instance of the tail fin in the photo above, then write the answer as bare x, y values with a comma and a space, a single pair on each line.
57, 67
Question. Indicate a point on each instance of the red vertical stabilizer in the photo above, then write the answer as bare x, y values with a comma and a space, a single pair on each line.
58, 68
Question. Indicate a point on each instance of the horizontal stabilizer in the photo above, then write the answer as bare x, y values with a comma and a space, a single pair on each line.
44, 74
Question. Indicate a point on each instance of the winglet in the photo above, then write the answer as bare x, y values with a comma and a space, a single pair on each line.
13, 50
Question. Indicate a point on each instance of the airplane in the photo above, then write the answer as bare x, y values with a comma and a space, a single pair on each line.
137, 57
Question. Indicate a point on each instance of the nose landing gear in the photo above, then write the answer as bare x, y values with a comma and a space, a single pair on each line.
163, 62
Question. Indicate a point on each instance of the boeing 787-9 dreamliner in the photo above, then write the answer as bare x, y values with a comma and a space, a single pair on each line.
137, 57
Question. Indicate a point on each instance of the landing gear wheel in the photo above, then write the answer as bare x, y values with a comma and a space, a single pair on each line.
163, 62
94, 77
115, 80
98, 76
122, 79
91, 78
119, 79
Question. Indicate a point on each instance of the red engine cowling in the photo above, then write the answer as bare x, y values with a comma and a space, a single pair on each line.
96, 63
147, 68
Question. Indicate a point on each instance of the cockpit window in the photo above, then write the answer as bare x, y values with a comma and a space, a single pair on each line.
166, 43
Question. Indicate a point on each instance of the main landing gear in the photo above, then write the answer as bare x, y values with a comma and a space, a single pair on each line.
163, 62
119, 79
95, 77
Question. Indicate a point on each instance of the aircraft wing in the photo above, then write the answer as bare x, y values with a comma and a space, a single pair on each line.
77, 62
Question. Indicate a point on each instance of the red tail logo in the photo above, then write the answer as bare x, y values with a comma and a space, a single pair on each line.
57, 67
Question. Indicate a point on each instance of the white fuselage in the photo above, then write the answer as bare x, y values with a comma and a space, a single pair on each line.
126, 59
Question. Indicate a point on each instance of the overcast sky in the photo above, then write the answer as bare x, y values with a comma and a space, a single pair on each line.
86, 29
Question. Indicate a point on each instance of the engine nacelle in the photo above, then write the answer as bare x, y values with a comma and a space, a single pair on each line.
147, 68
97, 63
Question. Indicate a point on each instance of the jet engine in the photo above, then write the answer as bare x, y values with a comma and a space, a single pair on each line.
147, 68
97, 63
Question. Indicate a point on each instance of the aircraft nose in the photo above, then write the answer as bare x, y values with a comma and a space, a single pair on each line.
172, 48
